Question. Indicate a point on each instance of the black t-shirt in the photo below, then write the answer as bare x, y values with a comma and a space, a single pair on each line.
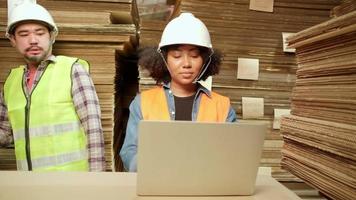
184, 106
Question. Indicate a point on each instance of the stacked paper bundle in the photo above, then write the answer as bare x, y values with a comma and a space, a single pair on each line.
97, 31
320, 135
7, 161
256, 73
345, 7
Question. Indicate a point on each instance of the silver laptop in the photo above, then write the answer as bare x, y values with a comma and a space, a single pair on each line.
190, 158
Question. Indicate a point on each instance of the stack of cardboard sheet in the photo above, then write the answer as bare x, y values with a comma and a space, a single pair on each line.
239, 32
8, 160
320, 135
101, 32
345, 7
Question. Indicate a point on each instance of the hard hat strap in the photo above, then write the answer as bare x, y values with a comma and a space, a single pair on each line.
204, 68
164, 60
161, 54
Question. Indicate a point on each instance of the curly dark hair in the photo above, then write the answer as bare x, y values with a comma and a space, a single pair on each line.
150, 59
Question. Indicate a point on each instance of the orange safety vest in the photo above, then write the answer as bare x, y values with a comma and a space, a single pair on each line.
154, 106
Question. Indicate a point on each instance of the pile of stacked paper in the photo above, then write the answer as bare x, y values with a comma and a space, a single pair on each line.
345, 7
320, 135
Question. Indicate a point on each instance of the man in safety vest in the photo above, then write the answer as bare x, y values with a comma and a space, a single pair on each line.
184, 57
49, 107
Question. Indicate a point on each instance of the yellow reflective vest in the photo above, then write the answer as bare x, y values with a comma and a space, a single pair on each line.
154, 106
48, 135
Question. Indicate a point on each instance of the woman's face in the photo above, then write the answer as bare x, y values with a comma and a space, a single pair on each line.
184, 64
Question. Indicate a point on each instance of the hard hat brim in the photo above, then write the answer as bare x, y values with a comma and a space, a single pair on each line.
13, 26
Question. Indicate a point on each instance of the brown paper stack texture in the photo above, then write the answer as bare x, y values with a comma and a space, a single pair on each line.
320, 135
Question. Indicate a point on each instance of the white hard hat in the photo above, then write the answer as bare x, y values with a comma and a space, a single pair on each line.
29, 11
186, 29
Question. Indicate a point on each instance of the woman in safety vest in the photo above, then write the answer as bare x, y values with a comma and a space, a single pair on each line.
183, 59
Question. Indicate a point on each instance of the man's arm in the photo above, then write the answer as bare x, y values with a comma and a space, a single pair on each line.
88, 109
6, 137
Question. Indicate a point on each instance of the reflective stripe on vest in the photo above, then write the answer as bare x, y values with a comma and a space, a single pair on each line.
46, 163
211, 109
47, 130
56, 139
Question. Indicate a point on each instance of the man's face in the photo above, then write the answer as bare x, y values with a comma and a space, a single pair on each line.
33, 41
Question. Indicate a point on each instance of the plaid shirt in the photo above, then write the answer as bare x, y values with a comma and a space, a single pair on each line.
87, 107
